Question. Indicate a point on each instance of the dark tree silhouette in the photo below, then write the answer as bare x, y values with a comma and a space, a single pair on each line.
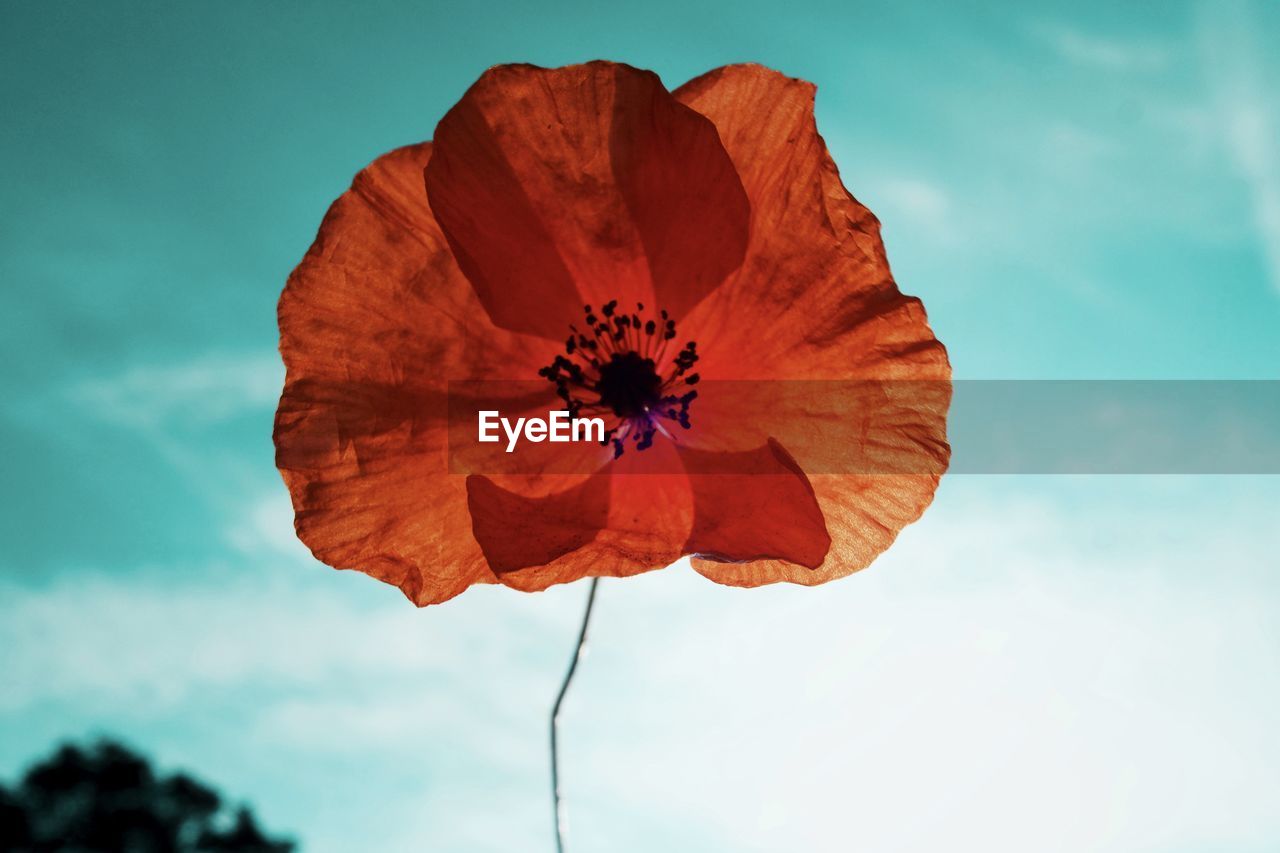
108, 799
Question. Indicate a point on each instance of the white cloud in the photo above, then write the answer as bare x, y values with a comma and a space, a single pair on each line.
1006, 668
1076, 150
1102, 52
155, 640
919, 199
1084, 657
917, 206
1244, 93
204, 390
265, 528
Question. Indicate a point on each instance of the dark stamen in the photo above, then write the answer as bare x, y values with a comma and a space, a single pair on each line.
611, 371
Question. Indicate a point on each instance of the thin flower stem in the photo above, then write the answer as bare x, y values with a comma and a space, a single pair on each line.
560, 816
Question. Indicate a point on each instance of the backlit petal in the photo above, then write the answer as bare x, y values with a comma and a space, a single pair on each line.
570, 186
815, 300
373, 323
753, 505
649, 514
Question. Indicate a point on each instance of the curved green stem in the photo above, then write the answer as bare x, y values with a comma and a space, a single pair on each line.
560, 816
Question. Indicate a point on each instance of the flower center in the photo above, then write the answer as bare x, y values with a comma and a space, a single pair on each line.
619, 368
629, 384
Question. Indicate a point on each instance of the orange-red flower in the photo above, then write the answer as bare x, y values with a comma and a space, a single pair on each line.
628, 248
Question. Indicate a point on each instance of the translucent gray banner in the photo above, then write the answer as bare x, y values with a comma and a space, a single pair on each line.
1115, 427
901, 427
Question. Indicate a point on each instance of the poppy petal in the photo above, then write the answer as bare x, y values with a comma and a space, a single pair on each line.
570, 186
516, 531
841, 427
373, 322
823, 303
864, 515
648, 516
816, 273
753, 505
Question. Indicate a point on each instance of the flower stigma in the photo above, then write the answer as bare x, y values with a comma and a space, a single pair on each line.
615, 369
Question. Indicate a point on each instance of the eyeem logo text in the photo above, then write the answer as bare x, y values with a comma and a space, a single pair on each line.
557, 427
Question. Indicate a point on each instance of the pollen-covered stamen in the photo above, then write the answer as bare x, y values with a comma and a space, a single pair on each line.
615, 368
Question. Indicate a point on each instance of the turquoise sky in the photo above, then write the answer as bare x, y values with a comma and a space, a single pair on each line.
1076, 190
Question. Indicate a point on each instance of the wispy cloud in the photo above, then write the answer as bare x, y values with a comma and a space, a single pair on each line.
204, 390
923, 206
1102, 52
264, 527
1244, 88
153, 642
1012, 662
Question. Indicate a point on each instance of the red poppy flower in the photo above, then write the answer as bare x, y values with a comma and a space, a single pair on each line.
584, 228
